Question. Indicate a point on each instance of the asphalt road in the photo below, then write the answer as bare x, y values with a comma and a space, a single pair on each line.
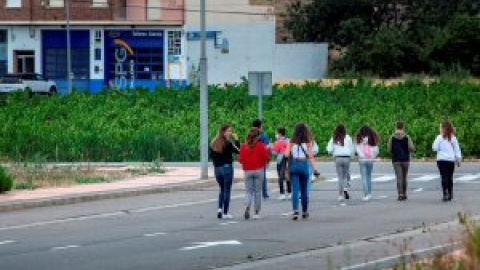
179, 230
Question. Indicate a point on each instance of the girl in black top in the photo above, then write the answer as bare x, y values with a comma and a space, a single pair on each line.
221, 152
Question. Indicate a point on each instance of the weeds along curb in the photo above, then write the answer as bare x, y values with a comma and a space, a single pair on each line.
96, 196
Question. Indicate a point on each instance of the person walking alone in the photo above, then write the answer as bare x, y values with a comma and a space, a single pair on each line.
221, 153
366, 146
253, 156
400, 146
342, 148
299, 152
448, 153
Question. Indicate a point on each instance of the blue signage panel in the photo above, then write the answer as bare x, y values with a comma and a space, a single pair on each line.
134, 57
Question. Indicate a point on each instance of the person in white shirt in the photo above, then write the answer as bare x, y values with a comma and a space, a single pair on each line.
366, 146
341, 148
448, 153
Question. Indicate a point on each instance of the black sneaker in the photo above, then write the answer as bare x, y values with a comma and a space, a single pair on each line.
445, 198
295, 216
305, 215
219, 214
346, 195
400, 198
247, 213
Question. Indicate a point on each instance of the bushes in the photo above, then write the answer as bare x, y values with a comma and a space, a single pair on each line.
140, 126
6, 181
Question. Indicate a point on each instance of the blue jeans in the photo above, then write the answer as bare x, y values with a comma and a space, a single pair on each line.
264, 184
299, 181
310, 173
366, 168
224, 176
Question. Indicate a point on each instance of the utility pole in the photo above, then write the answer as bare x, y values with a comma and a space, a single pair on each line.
203, 94
69, 45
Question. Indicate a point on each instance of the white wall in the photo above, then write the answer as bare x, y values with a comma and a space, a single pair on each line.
251, 48
300, 61
21, 38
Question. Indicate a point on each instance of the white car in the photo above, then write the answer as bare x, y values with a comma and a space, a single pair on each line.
32, 81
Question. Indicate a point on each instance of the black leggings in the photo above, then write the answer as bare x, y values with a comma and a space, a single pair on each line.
446, 168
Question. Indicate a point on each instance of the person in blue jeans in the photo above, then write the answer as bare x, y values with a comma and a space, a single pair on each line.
221, 152
300, 155
366, 146
257, 123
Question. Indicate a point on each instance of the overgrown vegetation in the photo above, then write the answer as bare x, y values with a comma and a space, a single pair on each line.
6, 180
138, 125
392, 37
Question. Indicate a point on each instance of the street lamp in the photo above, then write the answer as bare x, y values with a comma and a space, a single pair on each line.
203, 94
69, 55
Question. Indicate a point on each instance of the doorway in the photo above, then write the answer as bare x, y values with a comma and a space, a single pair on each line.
24, 62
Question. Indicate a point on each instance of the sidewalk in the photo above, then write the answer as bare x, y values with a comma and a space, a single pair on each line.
174, 178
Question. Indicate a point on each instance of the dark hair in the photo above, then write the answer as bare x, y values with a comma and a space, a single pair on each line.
367, 131
218, 143
281, 131
400, 125
339, 134
448, 130
257, 123
252, 136
301, 134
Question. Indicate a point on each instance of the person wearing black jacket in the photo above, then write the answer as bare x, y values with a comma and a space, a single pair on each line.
221, 153
400, 146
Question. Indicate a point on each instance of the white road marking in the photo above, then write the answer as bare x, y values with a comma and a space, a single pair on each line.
154, 234
385, 178
228, 223
64, 247
382, 197
353, 177
417, 190
7, 242
425, 178
467, 178
199, 245
287, 214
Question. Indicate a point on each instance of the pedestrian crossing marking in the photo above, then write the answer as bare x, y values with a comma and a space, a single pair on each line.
385, 178
425, 178
352, 177
467, 178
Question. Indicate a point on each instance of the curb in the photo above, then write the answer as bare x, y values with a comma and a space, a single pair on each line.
101, 195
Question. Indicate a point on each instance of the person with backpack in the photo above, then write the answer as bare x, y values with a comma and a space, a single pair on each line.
300, 154
257, 123
366, 146
342, 149
278, 149
448, 154
254, 156
400, 146
221, 153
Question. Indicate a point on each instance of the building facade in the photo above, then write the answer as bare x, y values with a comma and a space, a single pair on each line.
121, 43
129, 43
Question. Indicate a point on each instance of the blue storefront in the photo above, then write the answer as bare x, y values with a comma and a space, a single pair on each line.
54, 52
134, 58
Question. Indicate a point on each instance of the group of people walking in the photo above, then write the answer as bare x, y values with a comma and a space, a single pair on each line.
295, 158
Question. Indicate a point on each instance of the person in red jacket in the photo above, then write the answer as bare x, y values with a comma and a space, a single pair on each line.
253, 156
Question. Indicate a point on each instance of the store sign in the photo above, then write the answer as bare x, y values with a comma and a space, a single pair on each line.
124, 75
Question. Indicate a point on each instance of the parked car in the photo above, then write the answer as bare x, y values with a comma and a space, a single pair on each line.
28, 81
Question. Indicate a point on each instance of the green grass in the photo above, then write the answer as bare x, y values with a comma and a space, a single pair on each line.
91, 180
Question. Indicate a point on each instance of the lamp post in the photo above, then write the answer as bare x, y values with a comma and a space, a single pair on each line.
203, 94
69, 54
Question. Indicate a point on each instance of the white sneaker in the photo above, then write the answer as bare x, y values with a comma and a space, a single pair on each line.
369, 197
227, 216
256, 216
366, 199
289, 196
282, 197
219, 213
340, 198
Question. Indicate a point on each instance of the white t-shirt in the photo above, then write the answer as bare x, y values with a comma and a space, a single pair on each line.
447, 150
298, 152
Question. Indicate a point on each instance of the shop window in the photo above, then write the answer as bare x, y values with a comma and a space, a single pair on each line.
56, 60
14, 4
174, 42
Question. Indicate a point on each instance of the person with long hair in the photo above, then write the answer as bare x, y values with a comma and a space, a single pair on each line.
257, 123
341, 148
366, 146
254, 156
299, 151
448, 153
221, 153
400, 146
278, 149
